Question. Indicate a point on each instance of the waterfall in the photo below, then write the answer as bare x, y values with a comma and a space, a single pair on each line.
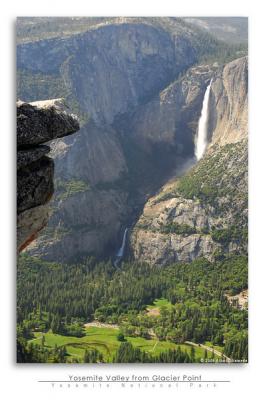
201, 139
121, 250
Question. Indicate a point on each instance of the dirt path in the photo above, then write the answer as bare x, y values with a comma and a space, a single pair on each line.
96, 324
216, 352
155, 311
153, 349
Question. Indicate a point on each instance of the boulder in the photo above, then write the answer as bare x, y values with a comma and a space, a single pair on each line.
42, 121
37, 123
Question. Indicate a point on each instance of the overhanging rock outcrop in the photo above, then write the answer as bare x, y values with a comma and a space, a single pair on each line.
37, 123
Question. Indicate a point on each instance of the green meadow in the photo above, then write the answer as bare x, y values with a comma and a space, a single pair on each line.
104, 340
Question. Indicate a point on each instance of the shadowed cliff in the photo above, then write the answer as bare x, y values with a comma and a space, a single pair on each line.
37, 123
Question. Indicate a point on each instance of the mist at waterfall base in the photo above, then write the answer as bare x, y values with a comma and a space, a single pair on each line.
201, 139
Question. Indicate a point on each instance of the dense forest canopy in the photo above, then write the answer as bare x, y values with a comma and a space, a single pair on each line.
63, 297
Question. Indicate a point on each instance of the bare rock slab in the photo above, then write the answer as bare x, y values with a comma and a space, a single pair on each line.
42, 121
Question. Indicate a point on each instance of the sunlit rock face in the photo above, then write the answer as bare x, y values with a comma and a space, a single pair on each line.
37, 123
228, 105
179, 223
112, 68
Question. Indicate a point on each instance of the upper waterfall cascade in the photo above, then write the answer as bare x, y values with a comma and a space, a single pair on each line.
121, 250
201, 141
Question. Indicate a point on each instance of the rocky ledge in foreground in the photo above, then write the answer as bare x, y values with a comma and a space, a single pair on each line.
37, 123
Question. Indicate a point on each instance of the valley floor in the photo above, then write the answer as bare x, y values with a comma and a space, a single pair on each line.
104, 339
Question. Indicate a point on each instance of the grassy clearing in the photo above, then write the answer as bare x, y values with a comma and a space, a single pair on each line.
158, 303
105, 341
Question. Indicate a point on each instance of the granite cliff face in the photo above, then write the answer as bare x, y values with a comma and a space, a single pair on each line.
138, 95
151, 142
37, 123
108, 74
229, 104
204, 213
171, 117
134, 59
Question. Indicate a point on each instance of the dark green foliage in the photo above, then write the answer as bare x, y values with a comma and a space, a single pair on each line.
59, 355
221, 191
192, 354
34, 353
179, 229
210, 49
210, 178
93, 356
71, 295
74, 329
126, 353
236, 345
56, 324
121, 337
233, 233
102, 313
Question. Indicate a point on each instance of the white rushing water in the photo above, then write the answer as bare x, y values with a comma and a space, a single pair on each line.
121, 250
201, 139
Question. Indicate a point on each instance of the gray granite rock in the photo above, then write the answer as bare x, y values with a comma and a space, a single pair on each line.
35, 184
27, 156
42, 121
225, 173
37, 123
29, 223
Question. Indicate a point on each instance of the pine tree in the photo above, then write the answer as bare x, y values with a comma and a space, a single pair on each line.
192, 354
